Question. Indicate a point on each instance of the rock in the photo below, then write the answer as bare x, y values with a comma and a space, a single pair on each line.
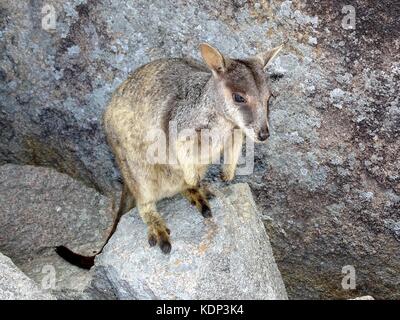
15, 285
41, 209
70, 282
226, 257
54, 86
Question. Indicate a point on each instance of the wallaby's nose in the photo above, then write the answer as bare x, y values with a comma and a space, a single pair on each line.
263, 134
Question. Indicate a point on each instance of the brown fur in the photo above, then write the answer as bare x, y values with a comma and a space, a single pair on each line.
185, 92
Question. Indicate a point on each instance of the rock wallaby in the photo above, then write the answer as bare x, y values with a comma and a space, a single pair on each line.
225, 96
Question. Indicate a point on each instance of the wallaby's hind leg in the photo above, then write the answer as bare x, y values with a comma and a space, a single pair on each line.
156, 227
157, 230
198, 197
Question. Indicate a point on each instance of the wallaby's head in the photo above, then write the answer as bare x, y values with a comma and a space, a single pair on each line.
242, 89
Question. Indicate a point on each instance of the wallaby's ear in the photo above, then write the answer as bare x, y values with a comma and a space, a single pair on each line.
213, 58
266, 57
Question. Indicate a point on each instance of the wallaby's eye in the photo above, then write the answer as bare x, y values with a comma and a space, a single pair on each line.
238, 98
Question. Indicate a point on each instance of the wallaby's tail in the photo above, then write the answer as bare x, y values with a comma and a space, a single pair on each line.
74, 258
86, 262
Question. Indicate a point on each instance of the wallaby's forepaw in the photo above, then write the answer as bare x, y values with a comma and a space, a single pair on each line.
227, 175
198, 198
192, 178
193, 182
159, 233
208, 194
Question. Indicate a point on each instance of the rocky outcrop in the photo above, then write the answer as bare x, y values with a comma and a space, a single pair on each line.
326, 184
225, 257
15, 285
41, 209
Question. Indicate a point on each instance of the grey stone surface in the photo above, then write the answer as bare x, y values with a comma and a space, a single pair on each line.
68, 282
40, 209
225, 257
326, 184
15, 285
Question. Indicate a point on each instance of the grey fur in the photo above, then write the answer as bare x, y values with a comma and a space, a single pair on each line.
187, 93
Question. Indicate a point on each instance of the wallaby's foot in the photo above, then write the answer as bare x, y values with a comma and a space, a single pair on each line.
198, 198
207, 192
159, 233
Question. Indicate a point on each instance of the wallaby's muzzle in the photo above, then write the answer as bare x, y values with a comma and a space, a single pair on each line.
263, 134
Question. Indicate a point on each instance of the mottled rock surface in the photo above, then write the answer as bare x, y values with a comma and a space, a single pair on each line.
327, 183
15, 285
40, 209
225, 257
60, 278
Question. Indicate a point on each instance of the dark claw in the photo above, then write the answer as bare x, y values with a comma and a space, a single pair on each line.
206, 211
209, 195
152, 240
165, 247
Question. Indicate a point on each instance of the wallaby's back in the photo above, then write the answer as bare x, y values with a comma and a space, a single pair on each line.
149, 99
152, 92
